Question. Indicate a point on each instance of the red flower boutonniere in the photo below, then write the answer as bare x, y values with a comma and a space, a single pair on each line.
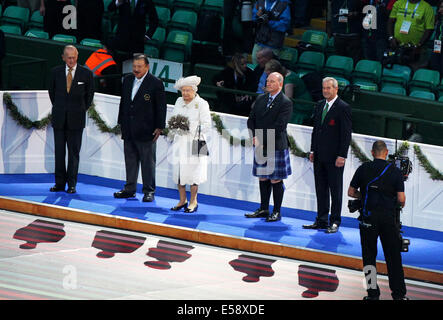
331, 122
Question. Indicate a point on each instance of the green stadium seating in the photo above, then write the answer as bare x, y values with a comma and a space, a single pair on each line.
158, 38
317, 39
64, 38
393, 88
11, 29
422, 94
37, 33
36, 20
425, 79
164, 3
288, 57
91, 43
16, 16
193, 5
164, 15
183, 20
310, 61
368, 69
177, 46
339, 67
397, 74
151, 51
212, 5
365, 84
207, 73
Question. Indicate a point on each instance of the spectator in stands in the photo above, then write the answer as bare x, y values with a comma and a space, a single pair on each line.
89, 19
273, 19
32, 5
101, 62
295, 88
52, 12
375, 41
411, 22
346, 27
131, 30
262, 56
436, 62
271, 66
238, 76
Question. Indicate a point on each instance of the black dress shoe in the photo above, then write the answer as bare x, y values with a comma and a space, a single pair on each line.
71, 190
57, 188
332, 229
275, 216
177, 208
149, 197
259, 213
187, 210
371, 298
315, 225
124, 194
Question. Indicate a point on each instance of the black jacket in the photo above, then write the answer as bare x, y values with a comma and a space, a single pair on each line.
332, 138
70, 108
139, 118
275, 117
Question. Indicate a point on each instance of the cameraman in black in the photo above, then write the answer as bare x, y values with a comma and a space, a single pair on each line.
379, 185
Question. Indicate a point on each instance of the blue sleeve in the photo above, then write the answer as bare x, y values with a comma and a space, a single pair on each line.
284, 21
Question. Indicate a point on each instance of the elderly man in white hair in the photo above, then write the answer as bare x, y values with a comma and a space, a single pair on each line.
189, 168
267, 121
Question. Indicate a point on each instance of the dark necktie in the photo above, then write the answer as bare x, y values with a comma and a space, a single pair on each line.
269, 102
325, 111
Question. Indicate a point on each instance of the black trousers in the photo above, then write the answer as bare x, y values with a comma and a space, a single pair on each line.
140, 153
328, 188
72, 139
383, 226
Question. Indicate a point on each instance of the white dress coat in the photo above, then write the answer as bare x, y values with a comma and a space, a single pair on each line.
190, 169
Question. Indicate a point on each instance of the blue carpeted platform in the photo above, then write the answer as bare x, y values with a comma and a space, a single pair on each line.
216, 214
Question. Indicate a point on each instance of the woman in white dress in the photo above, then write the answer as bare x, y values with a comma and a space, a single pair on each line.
189, 169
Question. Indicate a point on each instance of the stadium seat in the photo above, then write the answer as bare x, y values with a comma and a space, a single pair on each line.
164, 15
158, 38
422, 94
177, 46
425, 79
164, 3
212, 5
91, 43
368, 69
37, 33
339, 67
193, 5
397, 74
288, 56
11, 29
365, 84
183, 20
440, 99
317, 39
208, 71
16, 16
310, 61
392, 88
36, 20
64, 38
151, 51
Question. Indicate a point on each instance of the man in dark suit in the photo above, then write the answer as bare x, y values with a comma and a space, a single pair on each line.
331, 137
71, 91
142, 117
131, 30
267, 121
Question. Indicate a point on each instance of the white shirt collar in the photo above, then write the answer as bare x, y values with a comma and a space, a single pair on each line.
273, 97
73, 68
330, 103
141, 79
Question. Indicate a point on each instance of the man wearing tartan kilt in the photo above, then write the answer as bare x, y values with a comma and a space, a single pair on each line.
267, 121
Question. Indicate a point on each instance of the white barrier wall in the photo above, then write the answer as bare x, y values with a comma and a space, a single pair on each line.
230, 167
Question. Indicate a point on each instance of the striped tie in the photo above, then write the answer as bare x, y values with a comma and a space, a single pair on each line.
325, 111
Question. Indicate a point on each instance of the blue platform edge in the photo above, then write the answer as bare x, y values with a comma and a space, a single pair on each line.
218, 215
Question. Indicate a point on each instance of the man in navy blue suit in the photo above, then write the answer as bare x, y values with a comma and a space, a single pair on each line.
330, 141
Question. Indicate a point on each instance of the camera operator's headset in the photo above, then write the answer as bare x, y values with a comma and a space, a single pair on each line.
366, 213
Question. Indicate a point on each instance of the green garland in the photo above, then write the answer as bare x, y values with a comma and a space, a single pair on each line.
295, 149
433, 172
